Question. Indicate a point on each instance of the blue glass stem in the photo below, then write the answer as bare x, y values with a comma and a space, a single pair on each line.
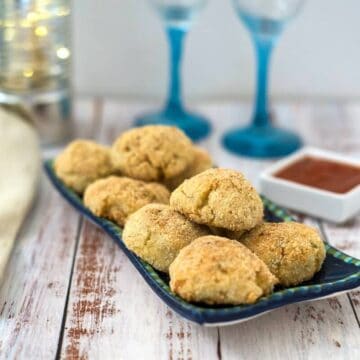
176, 37
263, 49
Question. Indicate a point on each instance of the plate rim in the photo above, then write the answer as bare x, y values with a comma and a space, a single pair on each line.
206, 315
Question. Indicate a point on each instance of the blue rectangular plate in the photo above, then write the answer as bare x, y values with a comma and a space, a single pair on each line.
339, 273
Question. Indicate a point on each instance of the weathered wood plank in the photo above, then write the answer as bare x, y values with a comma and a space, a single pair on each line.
32, 297
112, 312
314, 330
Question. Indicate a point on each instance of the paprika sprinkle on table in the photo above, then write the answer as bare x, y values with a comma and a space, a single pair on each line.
323, 174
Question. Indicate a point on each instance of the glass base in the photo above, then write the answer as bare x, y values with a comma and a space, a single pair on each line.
194, 126
49, 111
261, 142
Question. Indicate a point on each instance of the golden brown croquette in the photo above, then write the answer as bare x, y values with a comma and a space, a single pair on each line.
115, 198
217, 270
220, 198
156, 233
293, 252
81, 163
152, 153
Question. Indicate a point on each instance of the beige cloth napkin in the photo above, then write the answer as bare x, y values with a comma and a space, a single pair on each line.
19, 172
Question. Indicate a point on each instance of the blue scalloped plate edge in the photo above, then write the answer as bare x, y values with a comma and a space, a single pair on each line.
218, 315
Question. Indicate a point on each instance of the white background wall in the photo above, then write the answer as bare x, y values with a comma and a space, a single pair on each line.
120, 49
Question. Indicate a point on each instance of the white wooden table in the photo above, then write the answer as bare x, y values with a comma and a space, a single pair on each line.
70, 293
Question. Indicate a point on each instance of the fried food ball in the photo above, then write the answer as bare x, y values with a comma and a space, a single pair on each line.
81, 163
115, 198
152, 153
293, 252
217, 270
156, 233
202, 161
220, 198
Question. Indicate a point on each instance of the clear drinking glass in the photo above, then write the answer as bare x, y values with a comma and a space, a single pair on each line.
35, 45
178, 17
35, 63
265, 19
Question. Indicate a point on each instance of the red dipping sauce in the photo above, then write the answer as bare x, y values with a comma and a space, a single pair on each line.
323, 174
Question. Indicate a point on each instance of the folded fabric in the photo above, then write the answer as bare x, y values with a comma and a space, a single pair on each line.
19, 173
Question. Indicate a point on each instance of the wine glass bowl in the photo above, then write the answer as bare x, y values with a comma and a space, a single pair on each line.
177, 13
265, 19
177, 17
277, 10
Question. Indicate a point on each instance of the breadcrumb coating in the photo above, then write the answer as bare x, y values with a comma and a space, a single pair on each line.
152, 153
217, 270
115, 198
156, 233
81, 163
201, 162
293, 252
220, 198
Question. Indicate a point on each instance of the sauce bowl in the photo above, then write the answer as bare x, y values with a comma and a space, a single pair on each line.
324, 204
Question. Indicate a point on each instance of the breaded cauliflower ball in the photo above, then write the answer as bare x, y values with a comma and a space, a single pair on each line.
152, 153
293, 252
217, 270
115, 198
202, 161
81, 163
156, 233
219, 198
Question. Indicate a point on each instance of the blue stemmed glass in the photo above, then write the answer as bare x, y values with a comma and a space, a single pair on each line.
265, 19
178, 16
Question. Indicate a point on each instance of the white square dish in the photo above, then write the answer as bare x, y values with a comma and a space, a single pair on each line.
320, 203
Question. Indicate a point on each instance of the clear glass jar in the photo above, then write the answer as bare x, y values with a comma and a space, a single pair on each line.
35, 60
